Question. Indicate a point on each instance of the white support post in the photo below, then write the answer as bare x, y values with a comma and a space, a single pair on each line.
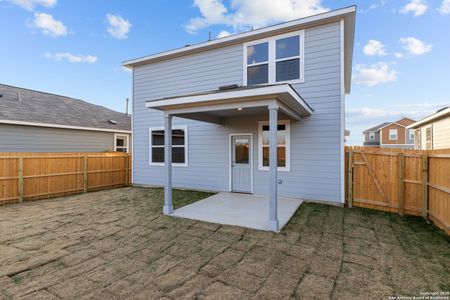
168, 207
273, 161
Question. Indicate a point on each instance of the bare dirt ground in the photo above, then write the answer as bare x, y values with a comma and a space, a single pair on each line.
116, 244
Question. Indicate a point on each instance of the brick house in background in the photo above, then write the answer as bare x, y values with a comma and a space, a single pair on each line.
390, 135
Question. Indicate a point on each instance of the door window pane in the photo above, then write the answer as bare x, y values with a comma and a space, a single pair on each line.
288, 47
288, 70
241, 151
257, 53
258, 74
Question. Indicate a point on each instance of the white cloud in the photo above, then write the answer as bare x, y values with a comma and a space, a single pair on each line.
72, 58
445, 7
398, 55
118, 27
223, 33
374, 74
416, 7
415, 46
374, 48
48, 25
244, 14
31, 4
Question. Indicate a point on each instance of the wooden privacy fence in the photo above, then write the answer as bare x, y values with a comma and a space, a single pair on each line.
410, 182
32, 176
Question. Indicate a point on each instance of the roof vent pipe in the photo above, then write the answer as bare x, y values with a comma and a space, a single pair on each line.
19, 97
126, 107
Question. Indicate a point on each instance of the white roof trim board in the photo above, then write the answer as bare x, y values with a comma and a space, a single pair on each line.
347, 14
433, 117
11, 122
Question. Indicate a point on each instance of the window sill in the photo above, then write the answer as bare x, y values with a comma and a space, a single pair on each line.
173, 165
279, 169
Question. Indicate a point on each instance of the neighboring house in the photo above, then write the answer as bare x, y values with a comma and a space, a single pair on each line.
234, 102
433, 132
390, 135
32, 121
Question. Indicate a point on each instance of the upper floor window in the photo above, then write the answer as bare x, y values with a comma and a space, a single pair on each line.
393, 134
275, 60
371, 136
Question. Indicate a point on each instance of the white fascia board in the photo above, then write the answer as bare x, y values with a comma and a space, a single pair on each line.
244, 35
61, 126
430, 118
263, 91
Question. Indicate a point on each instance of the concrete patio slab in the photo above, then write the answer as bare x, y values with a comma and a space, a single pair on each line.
238, 209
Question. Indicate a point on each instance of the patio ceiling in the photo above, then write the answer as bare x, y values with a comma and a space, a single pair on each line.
215, 105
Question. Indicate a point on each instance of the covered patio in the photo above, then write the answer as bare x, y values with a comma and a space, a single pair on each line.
229, 101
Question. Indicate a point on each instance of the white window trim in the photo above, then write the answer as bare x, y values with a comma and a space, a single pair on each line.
287, 168
411, 134
396, 134
186, 146
272, 57
116, 135
431, 137
371, 136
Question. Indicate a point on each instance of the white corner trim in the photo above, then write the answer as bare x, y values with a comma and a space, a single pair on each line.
126, 136
186, 146
271, 60
61, 126
342, 120
288, 146
230, 147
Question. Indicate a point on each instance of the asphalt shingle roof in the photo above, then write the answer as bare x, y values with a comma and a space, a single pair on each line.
377, 127
40, 107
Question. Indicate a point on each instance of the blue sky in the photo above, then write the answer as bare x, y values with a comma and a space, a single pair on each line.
75, 48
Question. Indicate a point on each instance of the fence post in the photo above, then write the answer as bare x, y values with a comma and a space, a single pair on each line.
85, 173
127, 172
20, 169
350, 178
425, 186
401, 184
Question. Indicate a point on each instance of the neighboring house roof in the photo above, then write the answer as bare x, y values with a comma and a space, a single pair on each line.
402, 122
378, 127
28, 107
347, 14
441, 113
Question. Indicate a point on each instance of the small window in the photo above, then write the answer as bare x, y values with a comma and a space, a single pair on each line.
283, 140
121, 143
411, 134
288, 58
393, 134
429, 138
371, 136
258, 64
275, 59
179, 146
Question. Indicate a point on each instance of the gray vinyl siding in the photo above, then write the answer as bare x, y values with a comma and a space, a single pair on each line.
315, 170
18, 138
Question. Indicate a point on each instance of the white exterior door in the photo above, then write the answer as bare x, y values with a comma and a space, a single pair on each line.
241, 170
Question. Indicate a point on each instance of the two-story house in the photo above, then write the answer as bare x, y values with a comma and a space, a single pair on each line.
258, 112
390, 135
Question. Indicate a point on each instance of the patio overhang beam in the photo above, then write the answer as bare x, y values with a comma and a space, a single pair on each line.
202, 106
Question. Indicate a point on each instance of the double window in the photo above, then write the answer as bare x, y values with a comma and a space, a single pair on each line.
121, 143
393, 134
179, 146
283, 145
274, 60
